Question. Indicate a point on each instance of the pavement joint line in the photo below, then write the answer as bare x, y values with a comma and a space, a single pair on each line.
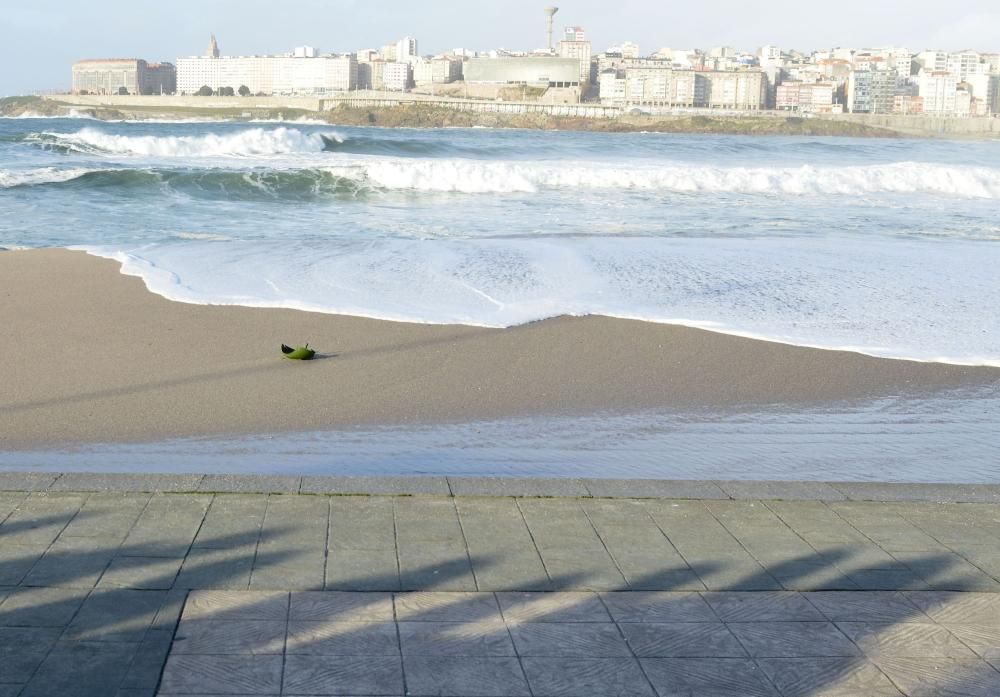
534, 544
465, 542
607, 550
628, 644
677, 549
946, 546
764, 569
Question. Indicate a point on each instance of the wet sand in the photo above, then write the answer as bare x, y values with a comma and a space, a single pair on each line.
90, 356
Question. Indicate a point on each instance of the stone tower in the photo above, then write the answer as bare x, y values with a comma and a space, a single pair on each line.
213, 48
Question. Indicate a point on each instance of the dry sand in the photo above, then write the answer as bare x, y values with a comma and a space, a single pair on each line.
89, 355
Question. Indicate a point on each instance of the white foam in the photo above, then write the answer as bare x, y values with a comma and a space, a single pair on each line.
825, 293
472, 176
247, 143
42, 175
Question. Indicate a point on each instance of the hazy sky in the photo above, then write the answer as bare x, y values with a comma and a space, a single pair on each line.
40, 39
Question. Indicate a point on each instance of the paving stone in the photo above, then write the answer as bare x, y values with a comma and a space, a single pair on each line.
342, 675
682, 640
908, 639
959, 608
141, 572
935, 677
106, 516
866, 606
829, 677
479, 638
40, 607
147, 664
27, 481
446, 607
376, 485
563, 606
707, 677
10, 690
774, 490
343, 638
81, 668
555, 677
422, 567
250, 484
571, 639
233, 520
222, 675
250, 637
82, 481
236, 605
792, 639
17, 560
222, 569
39, 519
362, 570
333, 606
654, 488
942, 493
663, 606
517, 486
22, 650
782, 606
288, 567
982, 638
469, 676
170, 610
115, 615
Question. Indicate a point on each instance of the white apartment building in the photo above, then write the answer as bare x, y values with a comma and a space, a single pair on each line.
268, 74
440, 70
814, 97
665, 87
965, 64
938, 90
575, 45
397, 77
985, 88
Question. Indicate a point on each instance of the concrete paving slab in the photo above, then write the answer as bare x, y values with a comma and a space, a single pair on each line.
333, 606
866, 606
40, 607
245, 637
653, 488
910, 639
470, 676
560, 606
22, 650
27, 481
236, 605
82, 481
658, 606
931, 677
399, 486
569, 640
446, 607
342, 638
343, 675
221, 674
682, 640
793, 639
586, 676
81, 668
730, 677
783, 606
832, 677
779, 491
517, 486
250, 484
955, 493
479, 638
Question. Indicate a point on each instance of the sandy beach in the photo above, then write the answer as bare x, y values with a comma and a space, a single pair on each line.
91, 356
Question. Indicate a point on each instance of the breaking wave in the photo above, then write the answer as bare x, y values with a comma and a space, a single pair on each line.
251, 142
355, 177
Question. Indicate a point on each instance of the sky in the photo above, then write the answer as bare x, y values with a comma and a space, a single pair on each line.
40, 39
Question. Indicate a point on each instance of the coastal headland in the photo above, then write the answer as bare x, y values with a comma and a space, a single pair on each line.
95, 357
427, 112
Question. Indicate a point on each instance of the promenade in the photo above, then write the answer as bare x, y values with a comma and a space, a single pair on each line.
142, 585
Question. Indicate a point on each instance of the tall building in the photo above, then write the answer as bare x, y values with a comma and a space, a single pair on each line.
406, 49
575, 45
657, 84
295, 73
213, 48
938, 90
873, 91
123, 76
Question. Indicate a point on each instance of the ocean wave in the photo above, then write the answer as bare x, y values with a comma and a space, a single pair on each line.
247, 143
469, 176
370, 175
42, 175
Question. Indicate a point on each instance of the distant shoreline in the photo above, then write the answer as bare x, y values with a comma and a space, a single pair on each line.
418, 114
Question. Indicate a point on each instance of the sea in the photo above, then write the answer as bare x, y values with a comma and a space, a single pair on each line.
888, 247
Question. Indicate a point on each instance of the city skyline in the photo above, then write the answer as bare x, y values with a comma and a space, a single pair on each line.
72, 33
